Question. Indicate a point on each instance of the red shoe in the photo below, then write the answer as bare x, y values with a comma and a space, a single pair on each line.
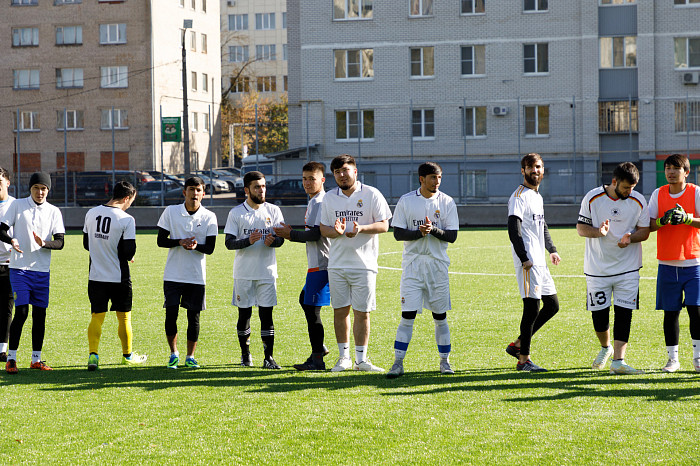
11, 367
41, 365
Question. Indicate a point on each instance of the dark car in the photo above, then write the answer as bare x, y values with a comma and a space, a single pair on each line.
92, 187
287, 192
150, 193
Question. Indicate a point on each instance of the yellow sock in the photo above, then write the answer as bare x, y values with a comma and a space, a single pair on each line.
124, 330
95, 331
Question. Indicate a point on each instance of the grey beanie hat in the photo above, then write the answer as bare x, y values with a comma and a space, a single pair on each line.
40, 178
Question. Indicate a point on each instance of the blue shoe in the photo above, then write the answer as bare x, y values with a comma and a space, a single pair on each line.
191, 362
172, 363
93, 362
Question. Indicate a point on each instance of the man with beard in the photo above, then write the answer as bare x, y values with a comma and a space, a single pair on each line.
529, 238
614, 220
249, 232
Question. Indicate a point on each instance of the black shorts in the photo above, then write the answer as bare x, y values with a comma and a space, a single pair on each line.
188, 295
101, 293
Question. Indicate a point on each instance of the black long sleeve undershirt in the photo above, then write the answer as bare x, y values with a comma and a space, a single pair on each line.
516, 237
444, 235
403, 234
232, 243
208, 246
312, 234
56, 243
548, 244
4, 233
126, 249
164, 240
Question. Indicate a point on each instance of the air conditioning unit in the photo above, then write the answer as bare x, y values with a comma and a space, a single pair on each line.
692, 77
231, 2
499, 111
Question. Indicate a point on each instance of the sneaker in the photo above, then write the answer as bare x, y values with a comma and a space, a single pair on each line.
396, 370
269, 363
513, 350
93, 362
191, 362
311, 365
246, 360
3, 357
11, 366
671, 366
696, 364
602, 358
134, 359
367, 366
620, 368
529, 366
342, 364
41, 365
172, 362
445, 367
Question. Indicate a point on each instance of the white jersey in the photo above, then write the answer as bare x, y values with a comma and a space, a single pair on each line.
410, 213
105, 227
366, 205
654, 213
527, 205
27, 217
185, 266
316, 251
257, 261
4, 247
603, 257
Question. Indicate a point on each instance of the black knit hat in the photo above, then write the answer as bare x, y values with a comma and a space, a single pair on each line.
40, 178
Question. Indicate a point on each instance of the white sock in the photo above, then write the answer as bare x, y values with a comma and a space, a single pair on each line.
360, 354
672, 352
12, 354
403, 337
344, 350
36, 356
442, 338
696, 349
3, 347
176, 354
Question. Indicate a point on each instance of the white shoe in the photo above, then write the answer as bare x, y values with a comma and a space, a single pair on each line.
342, 364
445, 367
696, 364
620, 368
671, 366
367, 366
602, 358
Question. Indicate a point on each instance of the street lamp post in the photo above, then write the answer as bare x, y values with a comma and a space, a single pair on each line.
185, 113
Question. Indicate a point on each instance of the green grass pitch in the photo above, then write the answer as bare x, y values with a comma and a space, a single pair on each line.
487, 413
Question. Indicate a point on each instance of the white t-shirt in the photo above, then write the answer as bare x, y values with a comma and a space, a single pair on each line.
366, 205
4, 247
316, 251
28, 217
185, 266
105, 227
603, 257
528, 206
257, 261
654, 213
411, 211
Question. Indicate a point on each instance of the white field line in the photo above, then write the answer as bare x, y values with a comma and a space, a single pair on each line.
508, 274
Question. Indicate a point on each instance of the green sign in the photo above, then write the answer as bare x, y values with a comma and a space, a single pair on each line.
170, 130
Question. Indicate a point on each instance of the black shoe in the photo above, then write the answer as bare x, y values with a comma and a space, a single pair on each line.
3, 357
269, 363
311, 365
513, 350
247, 360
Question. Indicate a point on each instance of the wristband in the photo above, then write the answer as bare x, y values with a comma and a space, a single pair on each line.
688, 220
658, 222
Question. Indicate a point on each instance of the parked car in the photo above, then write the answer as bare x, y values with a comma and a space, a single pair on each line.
221, 175
219, 186
287, 192
91, 188
167, 176
150, 192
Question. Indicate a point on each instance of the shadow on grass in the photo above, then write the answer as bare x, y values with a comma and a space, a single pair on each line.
514, 386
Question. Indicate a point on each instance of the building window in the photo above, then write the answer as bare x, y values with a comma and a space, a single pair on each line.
535, 5
537, 120
114, 76
264, 20
536, 58
284, 51
421, 8
69, 35
618, 52
472, 7
618, 117
113, 33
193, 4
284, 20
422, 62
267, 83
265, 52
351, 124
237, 22
24, 2
687, 52
28, 121
204, 6
193, 80
687, 116
475, 183
242, 84
205, 119
25, 79
622, 2
193, 41
205, 82
25, 37
686, 2
285, 83
352, 9
204, 43
66, 2
118, 119
354, 64
474, 122
473, 60
70, 120
423, 124
69, 77
238, 53
182, 3
194, 122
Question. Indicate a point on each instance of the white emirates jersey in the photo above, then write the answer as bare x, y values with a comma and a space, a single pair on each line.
257, 261
366, 205
4, 247
316, 251
603, 257
527, 205
410, 213
105, 227
27, 217
182, 265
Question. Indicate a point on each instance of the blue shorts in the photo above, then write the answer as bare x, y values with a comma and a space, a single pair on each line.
316, 291
673, 282
30, 287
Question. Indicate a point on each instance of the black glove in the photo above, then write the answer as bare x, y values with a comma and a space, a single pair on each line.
679, 216
666, 219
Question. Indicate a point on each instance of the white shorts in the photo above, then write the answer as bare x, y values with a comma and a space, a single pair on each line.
353, 287
425, 283
535, 282
621, 290
249, 293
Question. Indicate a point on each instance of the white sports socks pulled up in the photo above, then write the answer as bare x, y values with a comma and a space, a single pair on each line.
403, 337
